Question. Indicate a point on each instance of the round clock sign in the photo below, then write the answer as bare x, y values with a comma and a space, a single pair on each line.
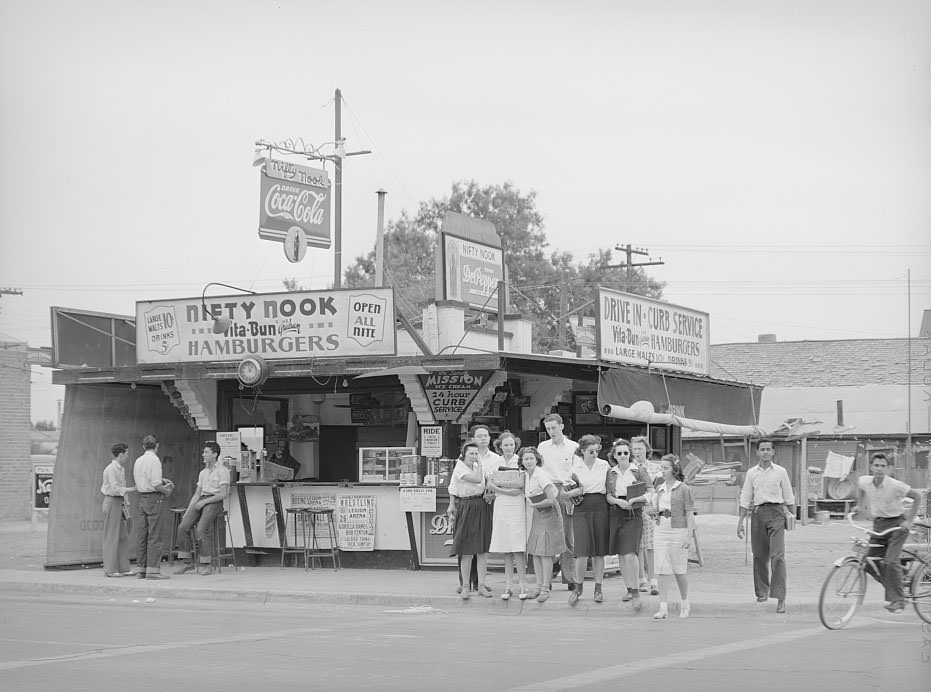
252, 371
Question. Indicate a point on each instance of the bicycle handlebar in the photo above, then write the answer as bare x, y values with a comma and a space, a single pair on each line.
891, 529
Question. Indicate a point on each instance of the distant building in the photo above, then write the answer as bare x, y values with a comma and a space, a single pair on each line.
852, 397
15, 426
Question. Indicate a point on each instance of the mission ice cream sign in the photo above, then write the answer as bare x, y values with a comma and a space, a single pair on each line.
307, 324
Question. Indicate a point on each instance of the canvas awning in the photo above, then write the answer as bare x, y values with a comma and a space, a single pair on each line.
660, 398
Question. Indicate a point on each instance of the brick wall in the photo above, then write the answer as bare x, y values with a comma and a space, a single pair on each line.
15, 426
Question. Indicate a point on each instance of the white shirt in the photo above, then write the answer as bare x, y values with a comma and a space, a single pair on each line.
147, 472
762, 486
211, 480
536, 484
465, 488
490, 462
557, 459
885, 500
593, 481
114, 480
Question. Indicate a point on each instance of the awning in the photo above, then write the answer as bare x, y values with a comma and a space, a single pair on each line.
659, 398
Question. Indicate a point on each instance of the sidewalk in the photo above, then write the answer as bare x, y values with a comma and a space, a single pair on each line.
722, 586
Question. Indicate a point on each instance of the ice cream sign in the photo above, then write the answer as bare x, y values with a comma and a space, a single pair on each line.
449, 393
306, 324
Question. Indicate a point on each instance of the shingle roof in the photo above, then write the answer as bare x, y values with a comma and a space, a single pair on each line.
839, 363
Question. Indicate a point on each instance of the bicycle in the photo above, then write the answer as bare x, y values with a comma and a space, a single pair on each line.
845, 585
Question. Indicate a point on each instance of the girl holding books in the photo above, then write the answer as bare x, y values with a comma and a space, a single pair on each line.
590, 518
546, 537
675, 524
627, 493
509, 520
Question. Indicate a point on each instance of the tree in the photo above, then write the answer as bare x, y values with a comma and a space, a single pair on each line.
538, 279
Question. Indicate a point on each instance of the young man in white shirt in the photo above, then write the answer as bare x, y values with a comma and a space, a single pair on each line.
767, 495
558, 453
884, 496
152, 489
213, 485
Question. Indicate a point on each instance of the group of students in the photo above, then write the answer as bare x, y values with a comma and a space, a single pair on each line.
573, 506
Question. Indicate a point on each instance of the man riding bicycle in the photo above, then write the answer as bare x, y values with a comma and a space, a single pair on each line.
884, 496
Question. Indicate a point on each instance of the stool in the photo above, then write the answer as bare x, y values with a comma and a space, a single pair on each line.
316, 551
222, 533
301, 521
173, 541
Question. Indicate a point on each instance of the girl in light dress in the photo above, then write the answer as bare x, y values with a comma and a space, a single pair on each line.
546, 536
509, 519
675, 523
640, 450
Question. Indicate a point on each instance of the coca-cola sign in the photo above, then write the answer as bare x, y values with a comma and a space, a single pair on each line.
294, 196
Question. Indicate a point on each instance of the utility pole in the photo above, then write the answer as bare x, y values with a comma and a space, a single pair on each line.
630, 252
563, 308
338, 200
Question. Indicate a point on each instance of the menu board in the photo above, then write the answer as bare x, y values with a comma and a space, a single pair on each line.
381, 464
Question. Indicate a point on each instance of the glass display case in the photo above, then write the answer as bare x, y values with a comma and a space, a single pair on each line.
381, 464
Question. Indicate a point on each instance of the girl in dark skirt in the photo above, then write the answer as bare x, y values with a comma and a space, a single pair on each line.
625, 516
590, 518
472, 536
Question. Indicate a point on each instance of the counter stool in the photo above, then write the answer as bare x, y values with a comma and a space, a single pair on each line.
331, 549
302, 526
222, 543
178, 513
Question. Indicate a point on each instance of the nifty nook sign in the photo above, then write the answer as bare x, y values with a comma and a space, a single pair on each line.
306, 324
449, 393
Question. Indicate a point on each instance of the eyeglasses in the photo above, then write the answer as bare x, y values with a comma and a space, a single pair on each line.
622, 452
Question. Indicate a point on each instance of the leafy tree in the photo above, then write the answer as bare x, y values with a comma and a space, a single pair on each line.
539, 278
45, 425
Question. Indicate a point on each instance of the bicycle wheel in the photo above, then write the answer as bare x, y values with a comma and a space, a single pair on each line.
921, 591
841, 594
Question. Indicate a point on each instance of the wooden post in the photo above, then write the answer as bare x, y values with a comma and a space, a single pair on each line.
415, 558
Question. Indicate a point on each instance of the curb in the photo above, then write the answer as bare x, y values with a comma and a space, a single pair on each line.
555, 606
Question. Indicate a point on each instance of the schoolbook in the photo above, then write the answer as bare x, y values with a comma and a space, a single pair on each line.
636, 490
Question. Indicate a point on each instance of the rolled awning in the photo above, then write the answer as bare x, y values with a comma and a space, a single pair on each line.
658, 398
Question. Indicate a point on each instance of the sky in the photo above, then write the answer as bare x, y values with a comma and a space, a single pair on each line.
775, 154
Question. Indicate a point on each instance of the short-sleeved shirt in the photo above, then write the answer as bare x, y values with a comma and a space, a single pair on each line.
765, 486
536, 484
211, 480
623, 480
490, 462
593, 481
885, 500
147, 472
465, 488
558, 459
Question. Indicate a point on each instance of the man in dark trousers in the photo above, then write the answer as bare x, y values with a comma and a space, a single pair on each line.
884, 496
767, 496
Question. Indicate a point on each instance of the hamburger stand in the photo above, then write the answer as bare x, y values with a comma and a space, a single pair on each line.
319, 400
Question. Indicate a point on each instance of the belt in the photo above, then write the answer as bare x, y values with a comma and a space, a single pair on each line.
150, 492
770, 504
203, 495
471, 497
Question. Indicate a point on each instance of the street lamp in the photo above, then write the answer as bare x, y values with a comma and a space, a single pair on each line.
221, 323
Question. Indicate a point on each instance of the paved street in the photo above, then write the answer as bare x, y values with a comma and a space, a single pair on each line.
74, 642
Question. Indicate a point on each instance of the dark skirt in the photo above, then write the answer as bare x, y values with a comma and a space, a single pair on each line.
626, 529
473, 526
590, 526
